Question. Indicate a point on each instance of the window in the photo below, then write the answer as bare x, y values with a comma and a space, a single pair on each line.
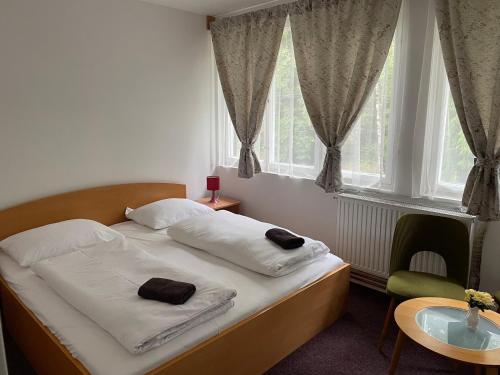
375, 155
446, 157
293, 147
288, 145
368, 153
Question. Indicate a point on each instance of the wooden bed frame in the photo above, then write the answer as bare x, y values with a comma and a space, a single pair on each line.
249, 347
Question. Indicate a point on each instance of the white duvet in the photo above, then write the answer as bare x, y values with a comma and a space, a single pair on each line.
241, 240
102, 282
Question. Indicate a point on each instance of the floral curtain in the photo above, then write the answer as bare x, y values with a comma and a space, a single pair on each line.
470, 39
246, 48
340, 49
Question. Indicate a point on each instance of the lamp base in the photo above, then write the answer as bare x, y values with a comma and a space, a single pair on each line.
214, 198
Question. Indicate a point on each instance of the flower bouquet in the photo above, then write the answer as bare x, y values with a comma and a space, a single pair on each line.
477, 301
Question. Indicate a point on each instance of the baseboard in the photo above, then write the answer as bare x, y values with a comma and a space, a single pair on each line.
366, 279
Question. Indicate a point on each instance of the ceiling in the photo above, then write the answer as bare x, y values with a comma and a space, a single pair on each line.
211, 7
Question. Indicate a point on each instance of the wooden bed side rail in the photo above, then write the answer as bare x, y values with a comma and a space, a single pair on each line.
257, 343
42, 349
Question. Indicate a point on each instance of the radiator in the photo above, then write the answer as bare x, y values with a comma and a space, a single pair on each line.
364, 231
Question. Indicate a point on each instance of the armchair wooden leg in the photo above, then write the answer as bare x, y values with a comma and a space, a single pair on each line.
388, 319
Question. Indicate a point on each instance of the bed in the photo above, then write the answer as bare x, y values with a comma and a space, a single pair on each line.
248, 341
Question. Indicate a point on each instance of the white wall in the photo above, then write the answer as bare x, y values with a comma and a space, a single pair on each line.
94, 92
303, 207
297, 204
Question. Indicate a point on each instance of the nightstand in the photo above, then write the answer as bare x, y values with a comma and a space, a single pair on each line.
224, 203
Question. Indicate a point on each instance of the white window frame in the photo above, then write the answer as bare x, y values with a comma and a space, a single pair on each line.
430, 127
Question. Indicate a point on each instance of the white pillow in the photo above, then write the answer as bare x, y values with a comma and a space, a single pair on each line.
50, 240
161, 214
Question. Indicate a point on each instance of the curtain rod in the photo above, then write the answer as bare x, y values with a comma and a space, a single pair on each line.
267, 4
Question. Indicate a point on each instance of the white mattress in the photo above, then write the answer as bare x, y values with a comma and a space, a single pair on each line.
102, 354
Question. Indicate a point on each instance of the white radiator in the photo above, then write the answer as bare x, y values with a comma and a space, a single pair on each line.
364, 236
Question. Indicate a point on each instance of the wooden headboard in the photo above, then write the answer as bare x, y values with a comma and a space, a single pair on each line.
104, 204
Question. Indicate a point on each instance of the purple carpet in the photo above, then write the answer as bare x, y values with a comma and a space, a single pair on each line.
347, 347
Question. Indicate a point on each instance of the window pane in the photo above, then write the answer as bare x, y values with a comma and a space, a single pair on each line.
457, 158
303, 135
294, 137
235, 141
445, 157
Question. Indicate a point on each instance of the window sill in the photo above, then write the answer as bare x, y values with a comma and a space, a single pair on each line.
442, 206
445, 207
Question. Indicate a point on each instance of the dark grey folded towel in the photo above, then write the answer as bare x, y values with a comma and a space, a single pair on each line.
165, 290
284, 238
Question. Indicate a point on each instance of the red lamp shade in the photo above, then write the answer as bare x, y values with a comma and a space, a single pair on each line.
213, 183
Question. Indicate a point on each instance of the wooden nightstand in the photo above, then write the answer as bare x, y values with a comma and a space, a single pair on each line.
223, 204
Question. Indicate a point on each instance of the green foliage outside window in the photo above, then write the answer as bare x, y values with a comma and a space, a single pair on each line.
293, 129
457, 158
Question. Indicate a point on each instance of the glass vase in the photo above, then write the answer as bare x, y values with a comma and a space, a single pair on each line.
472, 318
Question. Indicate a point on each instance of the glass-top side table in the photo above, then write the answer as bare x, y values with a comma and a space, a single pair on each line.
439, 325
448, 325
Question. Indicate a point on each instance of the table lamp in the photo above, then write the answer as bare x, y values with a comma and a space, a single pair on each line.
213, 184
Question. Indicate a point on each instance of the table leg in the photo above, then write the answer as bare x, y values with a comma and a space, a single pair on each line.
491, 370
397, 352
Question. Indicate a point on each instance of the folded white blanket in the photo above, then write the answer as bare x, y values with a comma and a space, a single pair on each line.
102, 283
241, 240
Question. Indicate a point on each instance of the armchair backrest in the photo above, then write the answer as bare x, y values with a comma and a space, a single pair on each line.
442, 235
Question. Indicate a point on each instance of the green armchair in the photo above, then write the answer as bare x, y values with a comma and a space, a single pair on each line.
415, 233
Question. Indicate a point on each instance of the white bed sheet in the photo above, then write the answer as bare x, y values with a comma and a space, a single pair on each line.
102, 354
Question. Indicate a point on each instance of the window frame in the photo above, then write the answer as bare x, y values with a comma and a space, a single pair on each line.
431, 124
